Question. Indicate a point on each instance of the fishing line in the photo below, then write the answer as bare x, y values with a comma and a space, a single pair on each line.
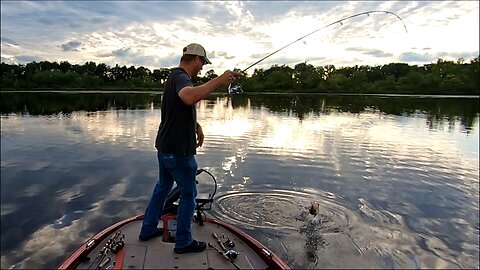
328, 25
237, 88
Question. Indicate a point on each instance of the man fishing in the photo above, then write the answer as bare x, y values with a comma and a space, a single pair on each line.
178, 136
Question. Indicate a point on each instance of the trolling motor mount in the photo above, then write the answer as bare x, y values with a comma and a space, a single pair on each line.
203, 201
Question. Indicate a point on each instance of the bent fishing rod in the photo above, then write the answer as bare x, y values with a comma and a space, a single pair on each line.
335, 22
237, 89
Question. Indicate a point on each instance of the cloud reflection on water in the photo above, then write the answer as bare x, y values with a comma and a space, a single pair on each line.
53, 239
406, 185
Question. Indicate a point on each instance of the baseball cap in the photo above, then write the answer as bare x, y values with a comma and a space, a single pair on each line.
196, 49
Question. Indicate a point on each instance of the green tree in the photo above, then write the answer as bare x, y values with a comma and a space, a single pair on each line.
90, 68
413, 82
375, 74
64, 66
279, 78
396, 69
357, 82
102, 72
442, 77
389, 85
336, 83
306, 77
473, 72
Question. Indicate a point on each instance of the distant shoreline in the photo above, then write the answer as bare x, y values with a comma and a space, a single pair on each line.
156, 91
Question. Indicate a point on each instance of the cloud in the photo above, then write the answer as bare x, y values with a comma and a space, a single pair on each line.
222, 54
8, 60
24, 59
71, 46
457, 55
122, 53
129, 56
47, 21
416, 57
241, 18
8, 42
371, 52
233, 32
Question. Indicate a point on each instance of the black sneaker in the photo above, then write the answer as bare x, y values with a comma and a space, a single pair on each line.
195, 246
158, 233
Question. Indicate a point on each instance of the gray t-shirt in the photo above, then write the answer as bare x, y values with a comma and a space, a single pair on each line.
176, 133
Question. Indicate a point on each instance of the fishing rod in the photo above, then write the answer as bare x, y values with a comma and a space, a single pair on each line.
238, 89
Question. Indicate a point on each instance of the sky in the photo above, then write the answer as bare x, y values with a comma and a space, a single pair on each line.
236, 34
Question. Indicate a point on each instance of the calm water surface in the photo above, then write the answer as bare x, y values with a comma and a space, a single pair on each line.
396, 178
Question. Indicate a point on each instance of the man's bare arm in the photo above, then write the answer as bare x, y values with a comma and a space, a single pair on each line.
193, 94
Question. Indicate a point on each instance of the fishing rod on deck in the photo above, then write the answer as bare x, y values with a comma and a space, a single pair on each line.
237, 88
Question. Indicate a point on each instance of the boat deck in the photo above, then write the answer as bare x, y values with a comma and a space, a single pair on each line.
157, 254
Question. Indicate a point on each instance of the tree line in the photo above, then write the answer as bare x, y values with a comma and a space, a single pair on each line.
439, 112
443, 77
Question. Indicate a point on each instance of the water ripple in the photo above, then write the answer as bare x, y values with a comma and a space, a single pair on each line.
282, 209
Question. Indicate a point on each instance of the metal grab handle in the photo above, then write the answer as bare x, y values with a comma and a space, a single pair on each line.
199, 171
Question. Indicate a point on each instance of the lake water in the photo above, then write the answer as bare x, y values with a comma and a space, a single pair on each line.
396, 177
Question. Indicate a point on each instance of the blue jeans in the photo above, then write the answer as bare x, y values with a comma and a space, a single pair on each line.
182, 170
